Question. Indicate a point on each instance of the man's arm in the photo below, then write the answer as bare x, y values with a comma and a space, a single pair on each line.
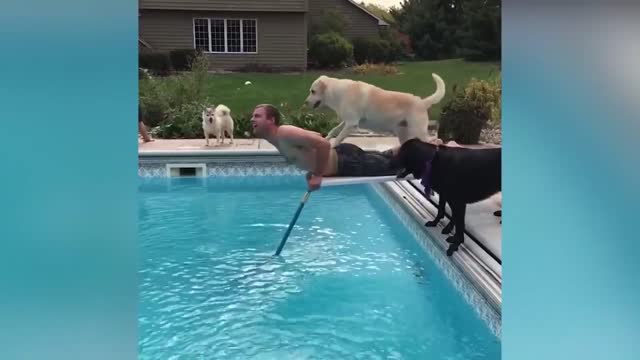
306, 138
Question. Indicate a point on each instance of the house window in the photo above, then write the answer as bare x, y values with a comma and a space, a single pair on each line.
249, 36
233, 36
225, 35
201, 33
217, 36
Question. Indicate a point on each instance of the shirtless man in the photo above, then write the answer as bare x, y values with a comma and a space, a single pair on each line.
309, 151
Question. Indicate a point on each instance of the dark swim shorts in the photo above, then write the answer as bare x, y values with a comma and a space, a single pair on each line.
139, 114
353, 161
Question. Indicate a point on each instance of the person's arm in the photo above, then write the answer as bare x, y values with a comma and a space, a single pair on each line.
322, 146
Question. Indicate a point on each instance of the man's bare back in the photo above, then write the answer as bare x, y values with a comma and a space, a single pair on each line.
291, 143
306, 149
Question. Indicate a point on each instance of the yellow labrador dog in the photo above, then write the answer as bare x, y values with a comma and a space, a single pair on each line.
359, 104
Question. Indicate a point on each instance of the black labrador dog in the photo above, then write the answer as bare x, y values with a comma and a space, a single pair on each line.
459, 175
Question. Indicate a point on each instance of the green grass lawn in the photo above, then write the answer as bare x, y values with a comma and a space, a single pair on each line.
292, 89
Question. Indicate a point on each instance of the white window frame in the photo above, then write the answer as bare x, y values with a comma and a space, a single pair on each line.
226, 49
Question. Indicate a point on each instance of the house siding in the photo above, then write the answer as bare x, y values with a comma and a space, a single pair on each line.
282, 40
226, 5
361, 24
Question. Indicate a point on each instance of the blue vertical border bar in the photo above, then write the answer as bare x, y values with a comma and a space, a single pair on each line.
571, 100
68, 188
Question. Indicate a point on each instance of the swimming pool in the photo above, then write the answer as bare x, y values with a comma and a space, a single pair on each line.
352, 281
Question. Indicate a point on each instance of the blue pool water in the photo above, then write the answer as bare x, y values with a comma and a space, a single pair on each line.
352, 282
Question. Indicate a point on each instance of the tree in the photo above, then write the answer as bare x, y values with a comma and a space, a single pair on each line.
481, 34
432, 26
380, 12
441, 29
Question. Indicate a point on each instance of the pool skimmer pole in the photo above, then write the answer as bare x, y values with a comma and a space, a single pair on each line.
293, 222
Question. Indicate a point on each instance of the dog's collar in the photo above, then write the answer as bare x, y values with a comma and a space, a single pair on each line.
425, 179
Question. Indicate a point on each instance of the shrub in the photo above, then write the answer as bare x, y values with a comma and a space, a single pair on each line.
460, 122
181, 58
319, 121
183, 121
330, 50
162, 100
376, 50
191, 86
396, 50
242, 125
496, 106
400, 44
361, 50
486, 96
465, 115
158, 63
143, 74
153, 99
381, 69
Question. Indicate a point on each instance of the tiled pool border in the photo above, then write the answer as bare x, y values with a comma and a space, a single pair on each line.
249, 168
248, 163
266, 164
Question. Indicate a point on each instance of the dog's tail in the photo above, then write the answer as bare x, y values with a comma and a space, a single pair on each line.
437, 96
223, 110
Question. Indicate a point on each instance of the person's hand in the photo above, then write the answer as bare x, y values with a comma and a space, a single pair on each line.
313, 181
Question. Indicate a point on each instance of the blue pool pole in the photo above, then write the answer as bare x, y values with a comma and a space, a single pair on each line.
293, 222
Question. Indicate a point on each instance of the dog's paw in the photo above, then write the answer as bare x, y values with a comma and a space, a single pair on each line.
452, 248
431, 223
455, 244
454, 240
447, 229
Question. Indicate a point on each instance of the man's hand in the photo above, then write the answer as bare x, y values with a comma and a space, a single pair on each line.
313, 181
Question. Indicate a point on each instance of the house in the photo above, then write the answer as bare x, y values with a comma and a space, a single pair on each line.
240, 33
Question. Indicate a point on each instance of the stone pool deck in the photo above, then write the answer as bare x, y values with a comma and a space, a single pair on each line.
480, 220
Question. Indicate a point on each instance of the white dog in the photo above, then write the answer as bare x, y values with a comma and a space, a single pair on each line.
217, 122
359, 104
208, 123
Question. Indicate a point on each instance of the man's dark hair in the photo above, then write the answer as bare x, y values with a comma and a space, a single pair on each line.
271, 112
